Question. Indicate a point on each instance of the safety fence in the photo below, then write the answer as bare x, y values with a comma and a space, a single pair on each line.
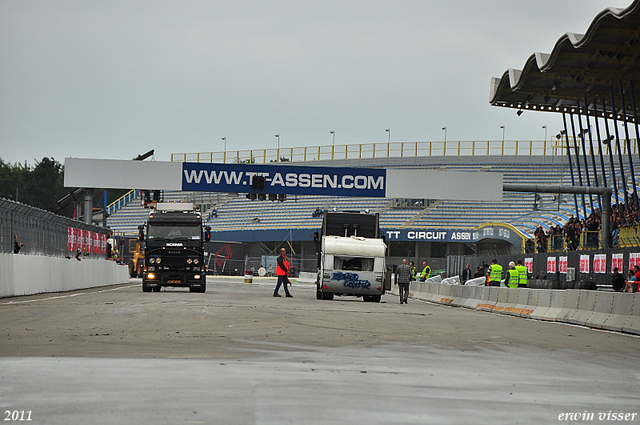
44, 233
552, 147
377, 150
614, 311
563, 270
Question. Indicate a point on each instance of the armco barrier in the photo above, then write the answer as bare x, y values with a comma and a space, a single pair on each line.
35, 274
607, 310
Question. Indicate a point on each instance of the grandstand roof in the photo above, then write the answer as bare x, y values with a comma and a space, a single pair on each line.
590, 66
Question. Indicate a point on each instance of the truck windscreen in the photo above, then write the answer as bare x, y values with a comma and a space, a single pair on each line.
173, 232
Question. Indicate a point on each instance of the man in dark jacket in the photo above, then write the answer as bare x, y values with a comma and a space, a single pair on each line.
617, 280
467, 274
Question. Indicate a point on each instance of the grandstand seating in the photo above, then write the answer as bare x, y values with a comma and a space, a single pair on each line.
239, 213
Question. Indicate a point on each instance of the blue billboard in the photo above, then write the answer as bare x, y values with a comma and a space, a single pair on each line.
284, 179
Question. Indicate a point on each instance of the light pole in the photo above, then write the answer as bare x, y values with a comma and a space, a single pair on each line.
278, 150
445, 134
502, 127
388, 135
545, 133
333, 143
224, 154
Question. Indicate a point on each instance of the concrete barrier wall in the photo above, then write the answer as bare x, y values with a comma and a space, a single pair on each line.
34, 274
614, 311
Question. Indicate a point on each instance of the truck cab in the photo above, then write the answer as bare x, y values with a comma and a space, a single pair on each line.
353, 261
174, 254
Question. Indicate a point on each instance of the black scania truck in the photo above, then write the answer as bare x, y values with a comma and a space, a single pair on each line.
174, 254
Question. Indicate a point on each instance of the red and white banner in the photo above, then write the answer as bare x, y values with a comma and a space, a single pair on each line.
617, 261
528, 263
584, 263
71, 239
634, 259
562, 267
551, 264
96, 243
600, 263
78, 233
86, 241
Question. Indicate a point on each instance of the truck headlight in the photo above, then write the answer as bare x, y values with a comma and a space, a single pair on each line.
152, 260
195, 261
188, 260
158, 260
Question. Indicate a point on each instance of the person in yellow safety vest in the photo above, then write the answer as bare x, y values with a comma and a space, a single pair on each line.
523, 273
413, 270
495, 273
426, 271
513, 276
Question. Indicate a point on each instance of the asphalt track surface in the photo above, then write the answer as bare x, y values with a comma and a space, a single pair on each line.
236, 355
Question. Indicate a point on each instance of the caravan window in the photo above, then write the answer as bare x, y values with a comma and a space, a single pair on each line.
353, 264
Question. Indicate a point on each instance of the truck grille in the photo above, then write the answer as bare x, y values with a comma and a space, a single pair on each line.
174, 259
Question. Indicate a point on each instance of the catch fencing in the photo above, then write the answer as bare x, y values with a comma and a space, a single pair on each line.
44, 233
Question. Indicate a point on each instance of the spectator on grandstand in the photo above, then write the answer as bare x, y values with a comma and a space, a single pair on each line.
318, 212
214, 213
617, 280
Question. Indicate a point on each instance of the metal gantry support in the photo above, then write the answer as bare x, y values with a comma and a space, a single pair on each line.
573, 180
628, 143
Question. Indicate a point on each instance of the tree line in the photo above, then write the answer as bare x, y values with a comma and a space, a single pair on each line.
41, 185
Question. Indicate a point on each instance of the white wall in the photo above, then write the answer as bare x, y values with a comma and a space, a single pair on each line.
34, 274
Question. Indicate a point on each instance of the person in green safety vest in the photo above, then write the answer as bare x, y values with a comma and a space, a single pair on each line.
513, 276
523, 274
413, 270
495, 273
426, 271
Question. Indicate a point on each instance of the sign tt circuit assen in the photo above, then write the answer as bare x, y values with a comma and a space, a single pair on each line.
353, 182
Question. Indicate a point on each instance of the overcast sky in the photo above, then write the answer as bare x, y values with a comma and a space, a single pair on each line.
113, 79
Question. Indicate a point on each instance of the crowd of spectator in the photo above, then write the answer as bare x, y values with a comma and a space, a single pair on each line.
567, 237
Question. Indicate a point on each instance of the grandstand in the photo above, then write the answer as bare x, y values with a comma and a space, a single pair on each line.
237, 213
259, 224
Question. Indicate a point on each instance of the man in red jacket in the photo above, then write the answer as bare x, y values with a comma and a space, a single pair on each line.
282, 271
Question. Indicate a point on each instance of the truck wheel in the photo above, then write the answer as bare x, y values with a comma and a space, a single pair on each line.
327, 296
146, 287
318, 293
139, 270
201, 289
156, 289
